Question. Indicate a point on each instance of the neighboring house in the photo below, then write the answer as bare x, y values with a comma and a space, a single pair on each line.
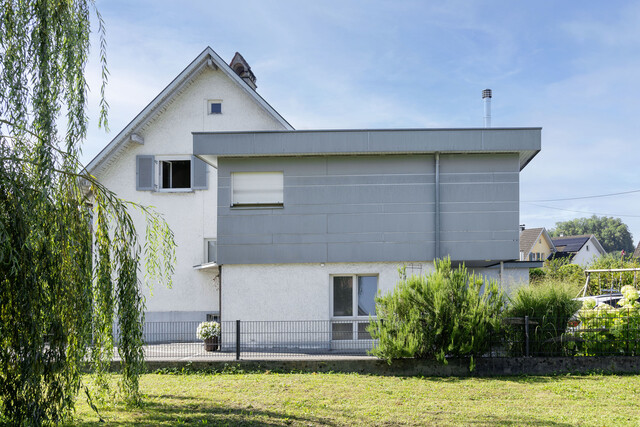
277, 224
535, 244
581, 250
636, 253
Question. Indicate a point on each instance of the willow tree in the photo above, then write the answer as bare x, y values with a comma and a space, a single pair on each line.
69, 253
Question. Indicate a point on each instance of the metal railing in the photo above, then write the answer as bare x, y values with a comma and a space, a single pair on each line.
602, 334
258, 340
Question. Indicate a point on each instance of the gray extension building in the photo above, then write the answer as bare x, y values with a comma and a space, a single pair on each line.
312, 224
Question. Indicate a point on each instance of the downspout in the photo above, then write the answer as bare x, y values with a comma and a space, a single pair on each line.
220, 293
437, 206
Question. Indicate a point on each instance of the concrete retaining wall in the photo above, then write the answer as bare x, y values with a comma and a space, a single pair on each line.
485, 367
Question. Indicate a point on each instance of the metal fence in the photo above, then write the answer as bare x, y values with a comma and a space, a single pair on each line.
258, 340
604, 334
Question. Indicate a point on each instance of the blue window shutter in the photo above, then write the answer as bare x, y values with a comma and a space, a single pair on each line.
144, 173
199, 177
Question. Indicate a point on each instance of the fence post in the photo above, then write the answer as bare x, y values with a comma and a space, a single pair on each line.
237, 339
526, 335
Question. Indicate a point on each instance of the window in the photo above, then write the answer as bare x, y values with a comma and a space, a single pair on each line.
214, 107
257, 188
170, 173
353, 302
175, 174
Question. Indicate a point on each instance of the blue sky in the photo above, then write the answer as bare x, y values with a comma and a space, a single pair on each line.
572, 68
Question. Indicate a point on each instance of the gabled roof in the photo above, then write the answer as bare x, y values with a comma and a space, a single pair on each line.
208, 58
575, 243
529, 236
636, 253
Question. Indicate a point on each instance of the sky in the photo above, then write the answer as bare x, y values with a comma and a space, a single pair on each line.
572, 68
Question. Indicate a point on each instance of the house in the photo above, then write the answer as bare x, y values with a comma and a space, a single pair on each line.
535, 244
312, 224
581, 250
277, 224
151, 162
636, 253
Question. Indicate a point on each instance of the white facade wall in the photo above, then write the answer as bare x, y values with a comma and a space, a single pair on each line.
296, 291
192, 214
512, 278
273, 292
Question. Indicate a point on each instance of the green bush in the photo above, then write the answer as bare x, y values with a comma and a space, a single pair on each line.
536, 275
549, 306
561, 270
445, 313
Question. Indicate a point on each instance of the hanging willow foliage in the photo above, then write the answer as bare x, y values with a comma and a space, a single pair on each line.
69, 253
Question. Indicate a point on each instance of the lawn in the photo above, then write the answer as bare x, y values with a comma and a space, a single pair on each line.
350, 399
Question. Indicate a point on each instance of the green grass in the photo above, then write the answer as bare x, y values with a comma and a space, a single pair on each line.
349, 399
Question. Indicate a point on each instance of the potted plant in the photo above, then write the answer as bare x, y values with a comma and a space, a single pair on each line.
209, 332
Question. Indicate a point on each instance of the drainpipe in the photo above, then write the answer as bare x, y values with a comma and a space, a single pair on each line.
220, 293
437, 206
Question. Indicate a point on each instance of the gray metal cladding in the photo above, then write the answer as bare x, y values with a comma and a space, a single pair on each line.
373, 208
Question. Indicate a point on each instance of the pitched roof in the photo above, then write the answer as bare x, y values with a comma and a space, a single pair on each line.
208, 58
561, 254
575, 243
636, 253
528, 237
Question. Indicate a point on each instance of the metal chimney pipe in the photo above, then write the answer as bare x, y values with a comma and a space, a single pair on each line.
486, 96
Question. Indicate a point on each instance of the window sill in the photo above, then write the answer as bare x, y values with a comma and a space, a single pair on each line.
175, 190
273, 206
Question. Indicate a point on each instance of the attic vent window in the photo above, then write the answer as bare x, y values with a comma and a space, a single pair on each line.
215, 107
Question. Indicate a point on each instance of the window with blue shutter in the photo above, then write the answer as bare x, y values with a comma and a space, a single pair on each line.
168, 173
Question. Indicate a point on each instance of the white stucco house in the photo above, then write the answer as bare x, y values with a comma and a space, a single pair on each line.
581, 250
277, 224
208, 95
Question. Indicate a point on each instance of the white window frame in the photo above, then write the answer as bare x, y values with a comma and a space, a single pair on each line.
257, 203
206, 249
158, 173
213, 101
355, 319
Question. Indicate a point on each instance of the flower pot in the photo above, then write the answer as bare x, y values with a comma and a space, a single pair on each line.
211, 344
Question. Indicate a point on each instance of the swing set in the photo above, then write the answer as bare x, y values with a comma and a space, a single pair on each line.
614, 281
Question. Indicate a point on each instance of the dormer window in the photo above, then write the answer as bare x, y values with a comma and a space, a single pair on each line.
214, 107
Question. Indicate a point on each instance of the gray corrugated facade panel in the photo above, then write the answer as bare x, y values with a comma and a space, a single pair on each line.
355, 207
524, 141
372, 209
